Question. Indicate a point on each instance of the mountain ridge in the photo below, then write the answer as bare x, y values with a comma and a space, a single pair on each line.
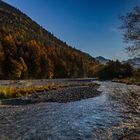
102, 59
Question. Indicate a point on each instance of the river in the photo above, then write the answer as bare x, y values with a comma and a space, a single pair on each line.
115, 114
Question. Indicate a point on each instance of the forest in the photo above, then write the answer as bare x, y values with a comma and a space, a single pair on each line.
28, 51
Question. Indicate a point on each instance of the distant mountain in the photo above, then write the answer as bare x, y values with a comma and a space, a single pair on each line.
29, 51
135, 62
102, 60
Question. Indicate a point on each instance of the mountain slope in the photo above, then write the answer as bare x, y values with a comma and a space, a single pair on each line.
29, 51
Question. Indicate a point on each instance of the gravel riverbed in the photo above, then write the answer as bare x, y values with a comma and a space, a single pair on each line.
73, 91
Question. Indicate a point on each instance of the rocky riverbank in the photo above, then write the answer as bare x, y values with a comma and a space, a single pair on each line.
62, 93
128, 81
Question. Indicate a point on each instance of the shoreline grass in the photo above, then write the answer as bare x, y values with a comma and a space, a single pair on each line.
14, 92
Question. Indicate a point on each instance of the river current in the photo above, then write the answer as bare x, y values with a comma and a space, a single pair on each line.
113, 115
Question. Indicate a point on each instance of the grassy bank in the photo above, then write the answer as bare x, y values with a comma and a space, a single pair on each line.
7, 92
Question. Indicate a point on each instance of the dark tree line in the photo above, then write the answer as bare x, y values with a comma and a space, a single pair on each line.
113, 69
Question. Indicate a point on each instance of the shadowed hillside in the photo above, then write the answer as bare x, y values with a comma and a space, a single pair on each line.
29, 51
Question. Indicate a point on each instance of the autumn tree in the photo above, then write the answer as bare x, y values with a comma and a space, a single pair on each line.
9, 45
47, 68
2, 58
33, 48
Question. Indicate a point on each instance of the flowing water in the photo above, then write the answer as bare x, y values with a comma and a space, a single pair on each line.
115, 114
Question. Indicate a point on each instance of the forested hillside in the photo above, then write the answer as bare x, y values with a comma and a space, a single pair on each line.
29, 51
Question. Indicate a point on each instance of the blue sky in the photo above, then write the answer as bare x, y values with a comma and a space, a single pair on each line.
89, 25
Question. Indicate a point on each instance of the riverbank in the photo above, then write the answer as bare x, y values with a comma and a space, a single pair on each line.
47, 91
128, 81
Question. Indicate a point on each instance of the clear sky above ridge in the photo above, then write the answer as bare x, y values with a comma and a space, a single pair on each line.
89, 25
